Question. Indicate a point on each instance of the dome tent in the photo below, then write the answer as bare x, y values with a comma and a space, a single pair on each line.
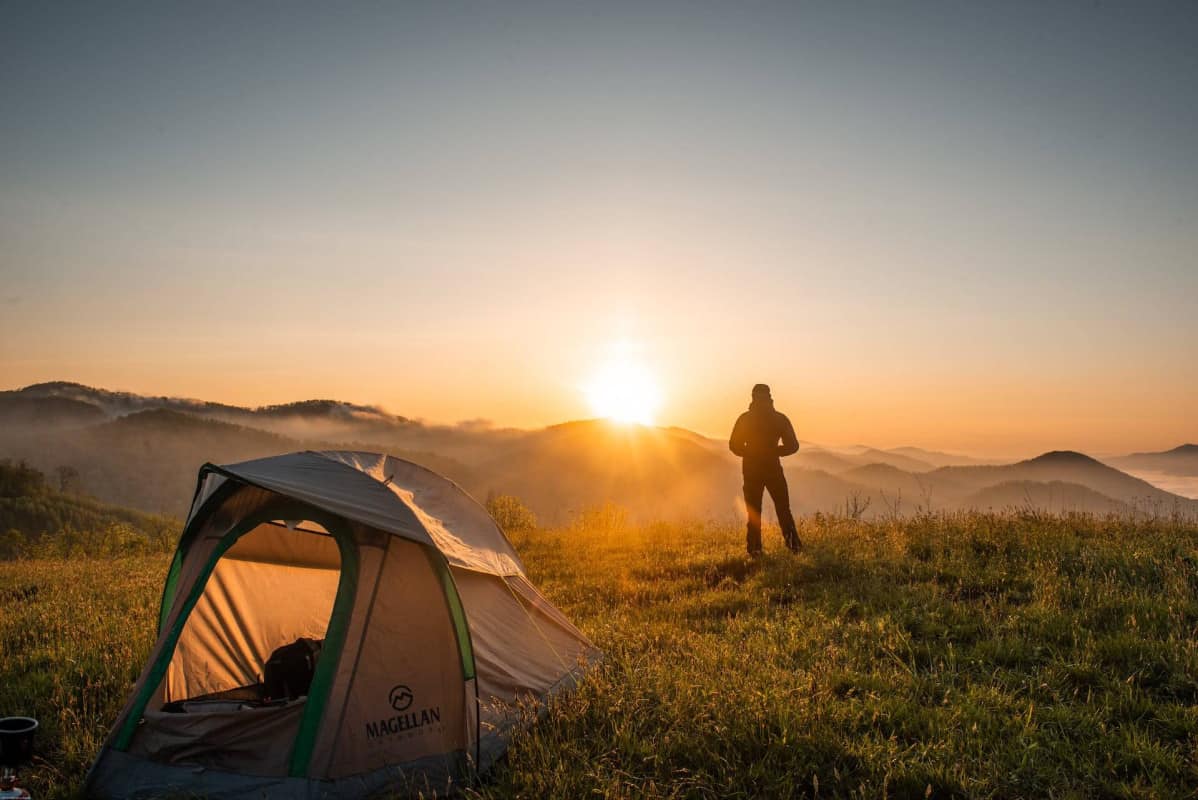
431, 634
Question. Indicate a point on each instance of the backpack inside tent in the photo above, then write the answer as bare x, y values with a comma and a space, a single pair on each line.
335, 625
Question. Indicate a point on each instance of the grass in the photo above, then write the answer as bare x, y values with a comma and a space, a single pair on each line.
942, 656
74, 634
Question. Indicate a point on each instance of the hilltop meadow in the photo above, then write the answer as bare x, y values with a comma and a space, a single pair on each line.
993, 655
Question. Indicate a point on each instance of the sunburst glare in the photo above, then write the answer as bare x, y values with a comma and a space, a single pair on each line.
624, 390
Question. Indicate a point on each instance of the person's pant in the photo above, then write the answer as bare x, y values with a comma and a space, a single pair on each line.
756, 483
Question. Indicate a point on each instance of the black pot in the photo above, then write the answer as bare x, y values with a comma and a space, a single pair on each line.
16, 741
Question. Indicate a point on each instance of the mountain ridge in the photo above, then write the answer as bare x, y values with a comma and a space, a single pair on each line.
1181, 461
146, 458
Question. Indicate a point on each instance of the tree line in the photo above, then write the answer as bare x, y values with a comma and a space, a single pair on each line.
42, 520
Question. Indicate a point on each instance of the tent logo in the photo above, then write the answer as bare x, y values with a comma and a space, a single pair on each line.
401, 698
407, 721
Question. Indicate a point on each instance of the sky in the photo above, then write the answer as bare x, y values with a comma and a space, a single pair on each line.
964, 226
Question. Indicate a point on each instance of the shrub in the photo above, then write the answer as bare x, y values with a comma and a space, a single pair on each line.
510, 513
12, 544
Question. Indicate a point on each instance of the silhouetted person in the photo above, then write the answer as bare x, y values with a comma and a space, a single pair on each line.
762, 436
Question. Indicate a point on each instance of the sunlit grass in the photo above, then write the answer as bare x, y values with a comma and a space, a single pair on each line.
972, 656
980, 656
73, 637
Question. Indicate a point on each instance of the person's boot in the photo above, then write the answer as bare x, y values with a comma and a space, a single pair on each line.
793, 543
753, 543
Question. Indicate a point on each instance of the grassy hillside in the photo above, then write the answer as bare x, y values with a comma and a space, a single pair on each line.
36, 518
940, 656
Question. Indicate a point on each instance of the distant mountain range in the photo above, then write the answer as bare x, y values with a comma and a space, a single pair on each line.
1180, 461
143, 452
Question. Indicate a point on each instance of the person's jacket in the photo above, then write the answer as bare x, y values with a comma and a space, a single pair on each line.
762, 436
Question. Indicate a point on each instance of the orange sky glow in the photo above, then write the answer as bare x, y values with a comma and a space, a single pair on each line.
972, 229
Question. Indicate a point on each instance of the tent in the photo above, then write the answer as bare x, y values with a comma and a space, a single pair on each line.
433, 638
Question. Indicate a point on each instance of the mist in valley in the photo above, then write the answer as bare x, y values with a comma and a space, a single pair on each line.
143, 452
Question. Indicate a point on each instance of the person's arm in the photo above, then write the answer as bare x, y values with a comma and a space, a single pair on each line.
736, 442
790, 442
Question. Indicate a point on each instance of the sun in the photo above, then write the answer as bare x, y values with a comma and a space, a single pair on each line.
623, 390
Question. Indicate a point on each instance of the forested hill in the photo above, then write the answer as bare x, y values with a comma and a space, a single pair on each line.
36, 516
